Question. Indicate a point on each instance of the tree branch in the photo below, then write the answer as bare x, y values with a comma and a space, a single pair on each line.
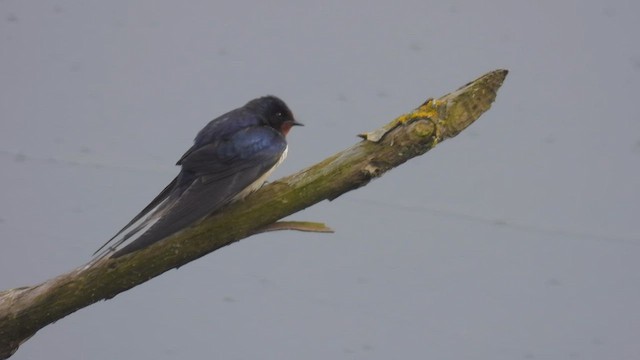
23, 311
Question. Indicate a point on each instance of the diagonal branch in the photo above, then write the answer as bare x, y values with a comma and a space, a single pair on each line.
23, 311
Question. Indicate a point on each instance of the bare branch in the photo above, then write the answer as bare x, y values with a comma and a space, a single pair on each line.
23, 311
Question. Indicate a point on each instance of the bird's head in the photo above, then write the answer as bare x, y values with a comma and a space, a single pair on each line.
274, 112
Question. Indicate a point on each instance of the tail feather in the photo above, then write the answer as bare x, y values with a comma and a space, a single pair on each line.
149, 215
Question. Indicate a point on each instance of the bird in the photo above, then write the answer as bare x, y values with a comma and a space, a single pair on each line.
231, 157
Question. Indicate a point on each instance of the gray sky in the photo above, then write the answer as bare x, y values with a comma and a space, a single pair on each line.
518, 239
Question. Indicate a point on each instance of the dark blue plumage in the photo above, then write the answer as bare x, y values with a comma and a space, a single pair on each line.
231, 157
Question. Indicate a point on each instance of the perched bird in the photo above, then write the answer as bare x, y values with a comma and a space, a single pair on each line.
231, 157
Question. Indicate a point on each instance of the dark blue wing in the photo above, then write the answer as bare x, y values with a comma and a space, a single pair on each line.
212, 175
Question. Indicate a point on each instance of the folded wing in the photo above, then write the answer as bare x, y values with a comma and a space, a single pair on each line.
212, 175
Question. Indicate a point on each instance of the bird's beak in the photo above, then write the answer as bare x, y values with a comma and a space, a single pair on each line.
295, 123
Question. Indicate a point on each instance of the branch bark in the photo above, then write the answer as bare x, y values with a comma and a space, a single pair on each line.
25, 310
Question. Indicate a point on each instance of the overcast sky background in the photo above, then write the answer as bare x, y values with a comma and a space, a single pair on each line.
518, 239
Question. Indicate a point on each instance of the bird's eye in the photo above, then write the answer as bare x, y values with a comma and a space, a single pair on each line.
279, 114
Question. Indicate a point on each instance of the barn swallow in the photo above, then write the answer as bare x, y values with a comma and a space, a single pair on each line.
231, 157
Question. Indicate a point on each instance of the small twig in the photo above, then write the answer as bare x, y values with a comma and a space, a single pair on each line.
306, 226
